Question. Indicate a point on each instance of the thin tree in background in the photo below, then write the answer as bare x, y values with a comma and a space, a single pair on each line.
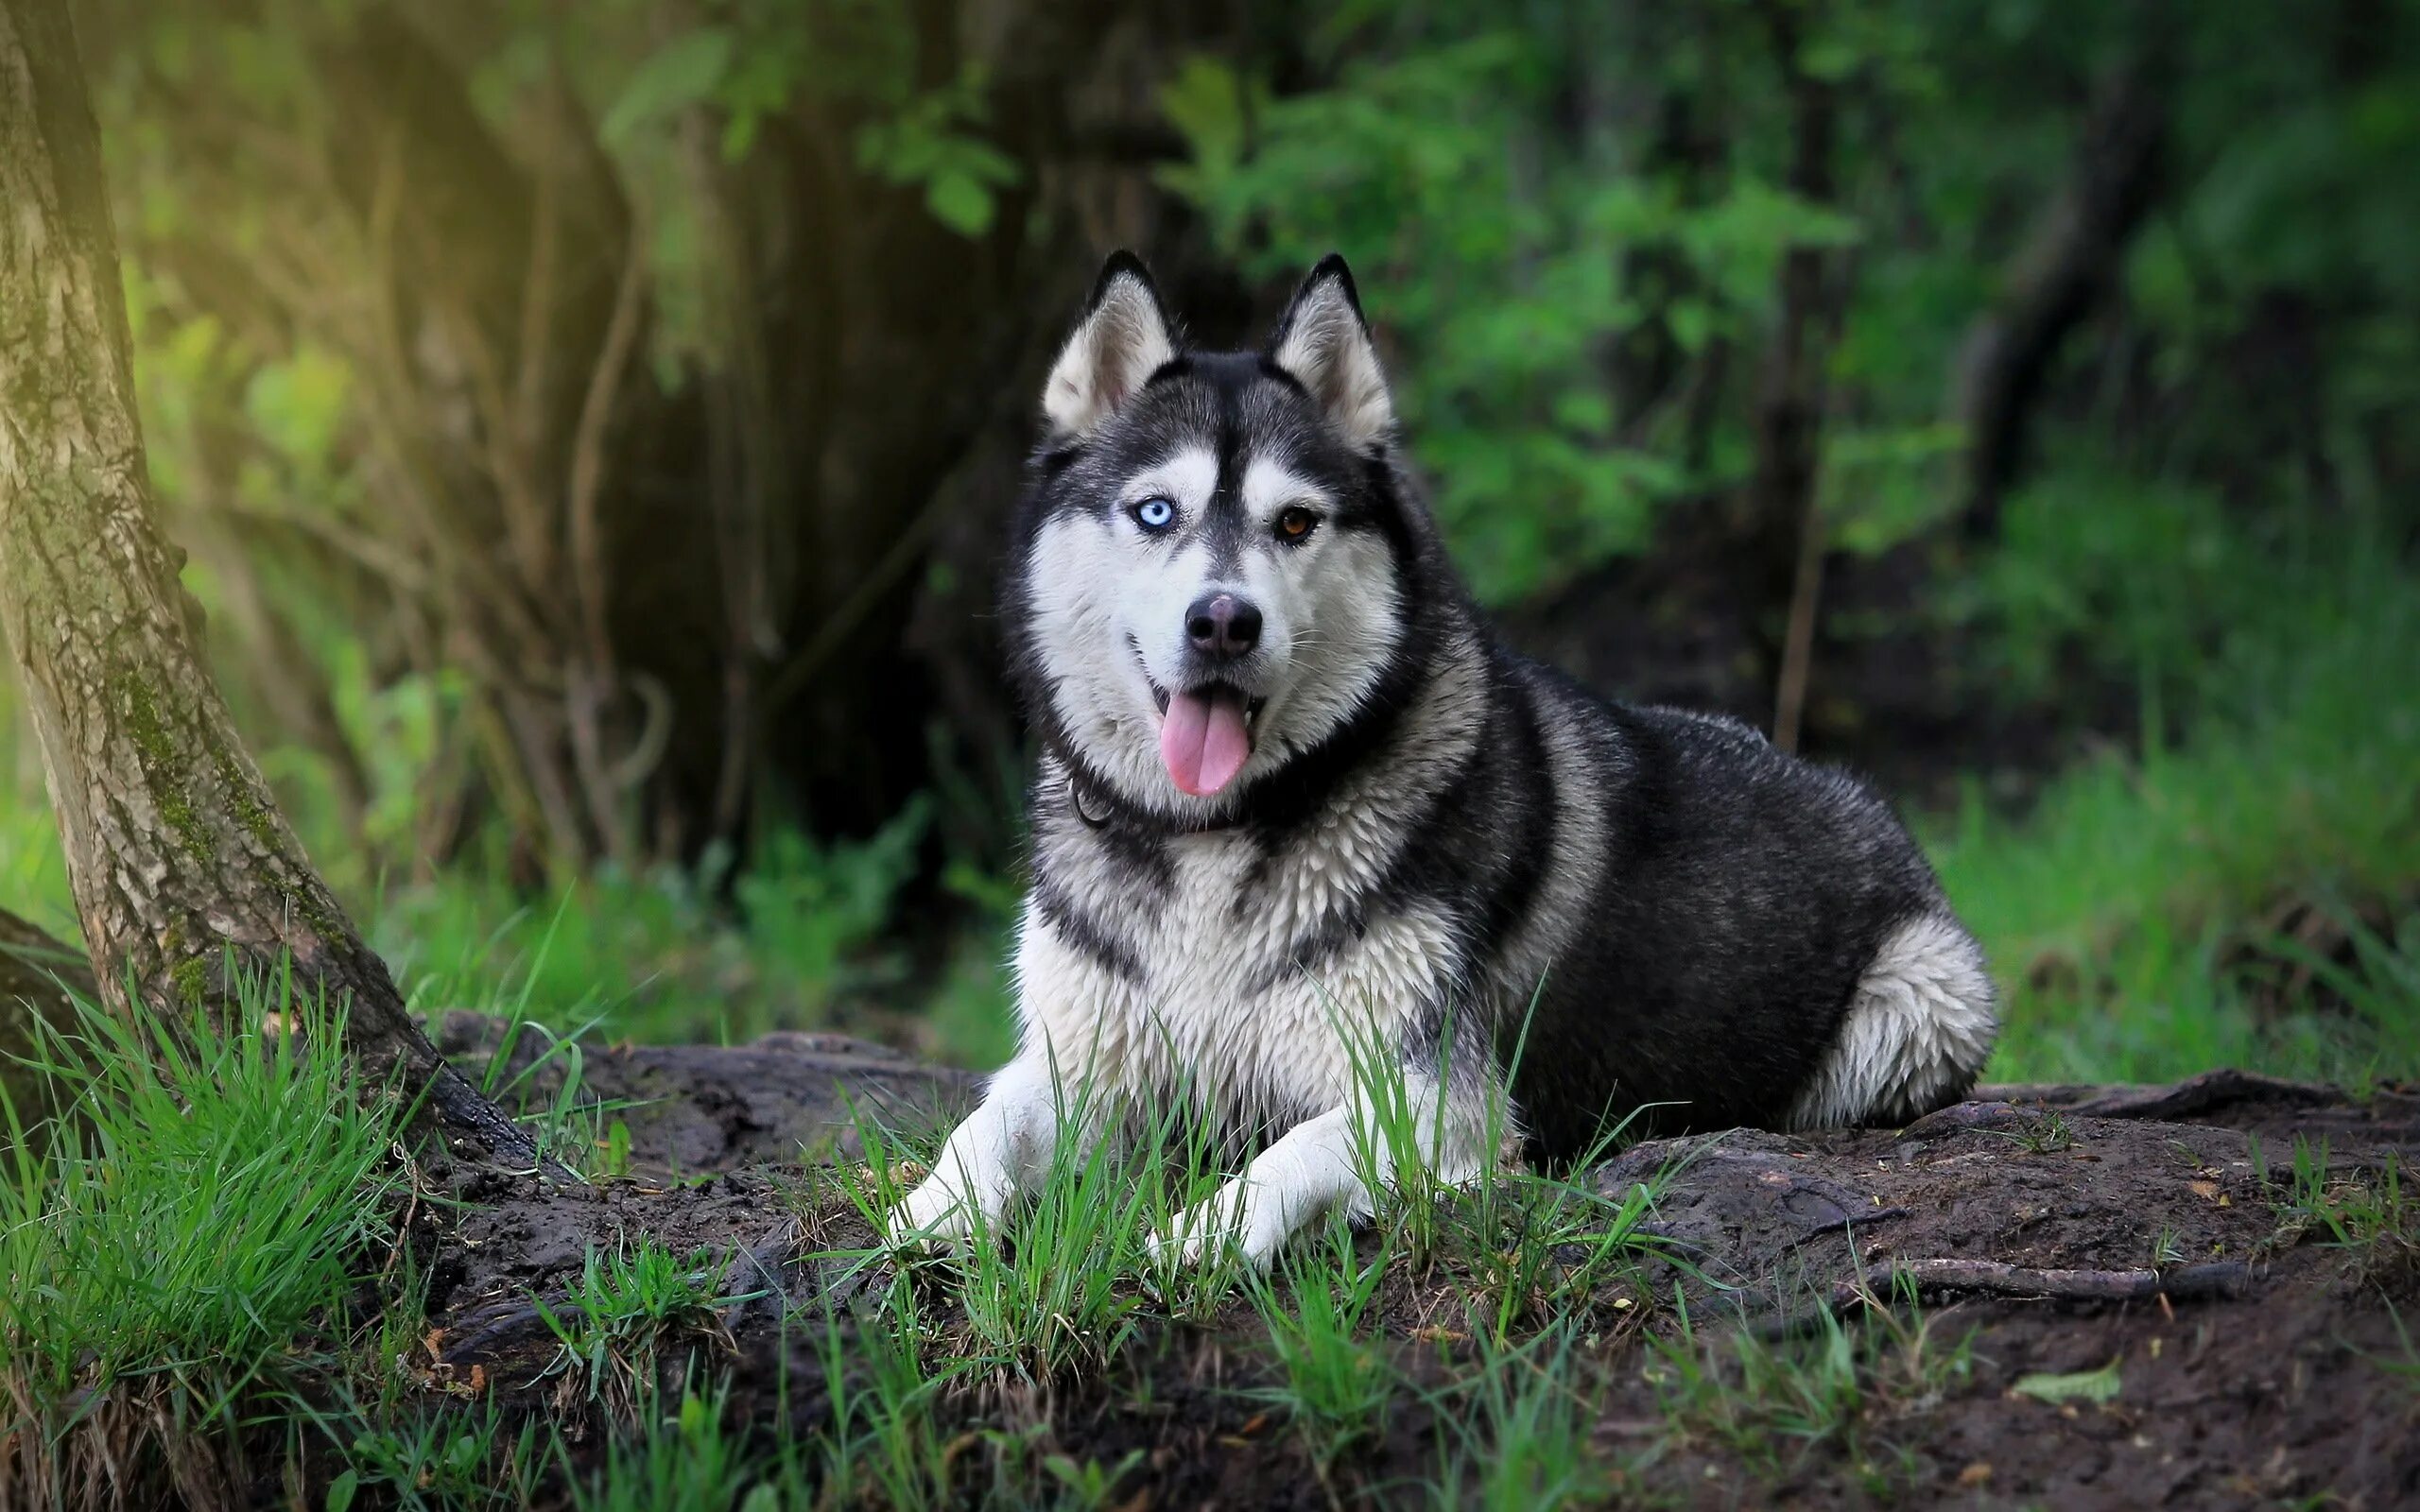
176, 851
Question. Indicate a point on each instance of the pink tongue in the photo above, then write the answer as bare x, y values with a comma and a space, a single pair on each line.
1204, 741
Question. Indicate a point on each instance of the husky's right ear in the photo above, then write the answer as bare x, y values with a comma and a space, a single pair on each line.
1326, 344
1122, 340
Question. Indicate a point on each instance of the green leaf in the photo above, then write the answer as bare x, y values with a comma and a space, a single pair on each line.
2083, 1385
1691, 322
300, 405
342, 1491
1205, 102
682, 75
1830, 58
960, 201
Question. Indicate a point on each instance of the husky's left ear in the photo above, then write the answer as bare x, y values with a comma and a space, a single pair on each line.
1326, 344
1122, 339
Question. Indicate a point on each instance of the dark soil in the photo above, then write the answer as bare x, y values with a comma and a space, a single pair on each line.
2253, 1355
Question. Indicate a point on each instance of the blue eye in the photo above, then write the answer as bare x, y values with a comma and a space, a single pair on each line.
1155, 514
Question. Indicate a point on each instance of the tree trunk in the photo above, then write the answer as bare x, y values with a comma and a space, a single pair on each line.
1783, 532
2068, 266
177, 854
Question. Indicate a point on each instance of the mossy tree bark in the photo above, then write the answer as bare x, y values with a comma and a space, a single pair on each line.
177, 856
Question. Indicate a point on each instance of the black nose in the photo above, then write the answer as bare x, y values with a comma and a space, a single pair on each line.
1222, 625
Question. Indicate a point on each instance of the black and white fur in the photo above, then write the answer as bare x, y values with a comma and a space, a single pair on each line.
1431, 834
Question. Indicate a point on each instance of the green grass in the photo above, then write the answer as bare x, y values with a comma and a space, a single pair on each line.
197, 1236
661, 957
885, 1442
688, 1460
1337, 1384
1844, 1390
1520, 1427
2126, 912
465, 1459
2370, 1211
2402, 1366
1064, 1281
1524, 1245
1069, 1282
631, 1308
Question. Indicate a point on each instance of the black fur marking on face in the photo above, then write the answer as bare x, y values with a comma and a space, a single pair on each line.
1384, 510
1225, 527
1273, 373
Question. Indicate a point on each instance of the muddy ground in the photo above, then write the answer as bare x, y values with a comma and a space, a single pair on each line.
2048, 1229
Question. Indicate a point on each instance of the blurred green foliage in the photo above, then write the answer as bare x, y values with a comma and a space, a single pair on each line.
1544, 198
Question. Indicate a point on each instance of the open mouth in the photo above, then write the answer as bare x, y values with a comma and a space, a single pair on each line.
1205, 733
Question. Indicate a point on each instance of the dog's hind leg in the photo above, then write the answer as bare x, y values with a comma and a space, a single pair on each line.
1916, 1033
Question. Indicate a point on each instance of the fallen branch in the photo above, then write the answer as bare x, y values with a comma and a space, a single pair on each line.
2193, 1099
1993, 1278
38, 978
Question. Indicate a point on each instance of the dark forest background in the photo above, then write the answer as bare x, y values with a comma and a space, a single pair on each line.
593, 428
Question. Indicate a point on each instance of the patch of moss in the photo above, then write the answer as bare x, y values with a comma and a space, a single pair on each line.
157, 756
258, 823
248, 810
192, 980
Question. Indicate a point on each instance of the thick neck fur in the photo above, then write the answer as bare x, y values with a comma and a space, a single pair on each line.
1283, 917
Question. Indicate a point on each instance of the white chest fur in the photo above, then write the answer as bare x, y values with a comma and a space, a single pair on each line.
1218, 986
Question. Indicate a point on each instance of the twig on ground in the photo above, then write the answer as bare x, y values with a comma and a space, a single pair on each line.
1992, 1278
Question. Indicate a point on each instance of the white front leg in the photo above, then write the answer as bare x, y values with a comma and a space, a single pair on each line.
1000, 1151
1317, 1166
1287, 1187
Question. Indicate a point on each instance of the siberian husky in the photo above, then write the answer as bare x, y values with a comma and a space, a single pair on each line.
1294, 795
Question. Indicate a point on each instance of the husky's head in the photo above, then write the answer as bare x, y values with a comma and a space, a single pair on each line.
1216, 557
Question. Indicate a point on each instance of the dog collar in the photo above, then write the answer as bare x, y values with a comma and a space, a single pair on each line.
1097, 809
1084, 810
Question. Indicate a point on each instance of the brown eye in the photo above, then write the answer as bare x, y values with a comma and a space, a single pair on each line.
1295, 523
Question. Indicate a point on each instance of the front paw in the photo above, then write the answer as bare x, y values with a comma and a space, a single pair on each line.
1236, 1220
938, 1215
